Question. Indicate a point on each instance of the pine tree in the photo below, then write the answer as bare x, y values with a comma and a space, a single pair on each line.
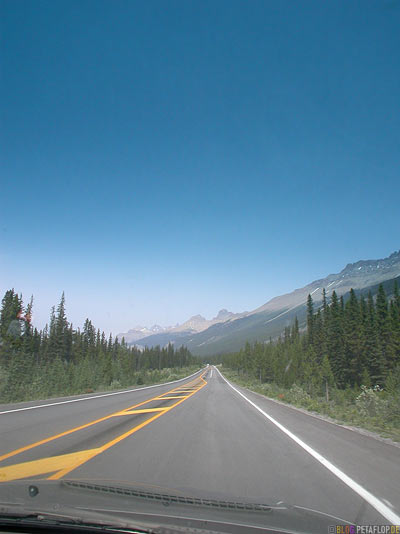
61, 329
396, 295
327, 376
52, 339
352, 331
372, 353
319, 337
295, 329
10, 326
27, 336
384, 326
325, 308
335, 342
363, 309
10, 306
310, 319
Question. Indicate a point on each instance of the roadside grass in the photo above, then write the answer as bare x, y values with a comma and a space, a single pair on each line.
150, 377
39, 389
373, 410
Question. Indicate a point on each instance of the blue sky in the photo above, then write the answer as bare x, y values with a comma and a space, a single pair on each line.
162, 159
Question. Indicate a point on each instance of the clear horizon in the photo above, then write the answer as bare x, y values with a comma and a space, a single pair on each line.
164, 160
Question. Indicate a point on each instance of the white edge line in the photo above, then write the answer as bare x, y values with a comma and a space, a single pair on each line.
304, 411
384, 510
97, 396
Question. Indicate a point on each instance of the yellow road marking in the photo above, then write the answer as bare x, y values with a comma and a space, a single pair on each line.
71, 461
44, 465
116, 440
145, 410
81, 427
172, 397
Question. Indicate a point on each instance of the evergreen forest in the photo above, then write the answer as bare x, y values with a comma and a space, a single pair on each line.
344, 363
63, 360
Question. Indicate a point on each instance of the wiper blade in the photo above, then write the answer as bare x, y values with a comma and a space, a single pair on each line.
167, 499
38, 516
62, 520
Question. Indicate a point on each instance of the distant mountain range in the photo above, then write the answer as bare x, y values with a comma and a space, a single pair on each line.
228, 331
194, 325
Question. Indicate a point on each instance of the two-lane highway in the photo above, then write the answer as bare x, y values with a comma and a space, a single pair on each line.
201, 436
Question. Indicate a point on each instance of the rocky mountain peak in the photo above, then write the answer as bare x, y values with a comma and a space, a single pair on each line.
223, 314
369, 266
197, 318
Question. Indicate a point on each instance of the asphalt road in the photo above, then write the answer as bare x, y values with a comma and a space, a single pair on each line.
203, 437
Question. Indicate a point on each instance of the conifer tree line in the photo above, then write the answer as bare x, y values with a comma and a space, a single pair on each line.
345, 344
61, 359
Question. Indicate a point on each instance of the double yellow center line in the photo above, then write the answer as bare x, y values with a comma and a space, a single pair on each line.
64, 464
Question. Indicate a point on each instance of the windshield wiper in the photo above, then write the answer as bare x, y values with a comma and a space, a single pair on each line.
50, 520
166, 499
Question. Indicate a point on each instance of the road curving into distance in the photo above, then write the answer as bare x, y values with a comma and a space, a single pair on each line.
204, 436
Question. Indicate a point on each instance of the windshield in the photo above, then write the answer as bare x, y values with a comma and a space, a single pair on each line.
199, 264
